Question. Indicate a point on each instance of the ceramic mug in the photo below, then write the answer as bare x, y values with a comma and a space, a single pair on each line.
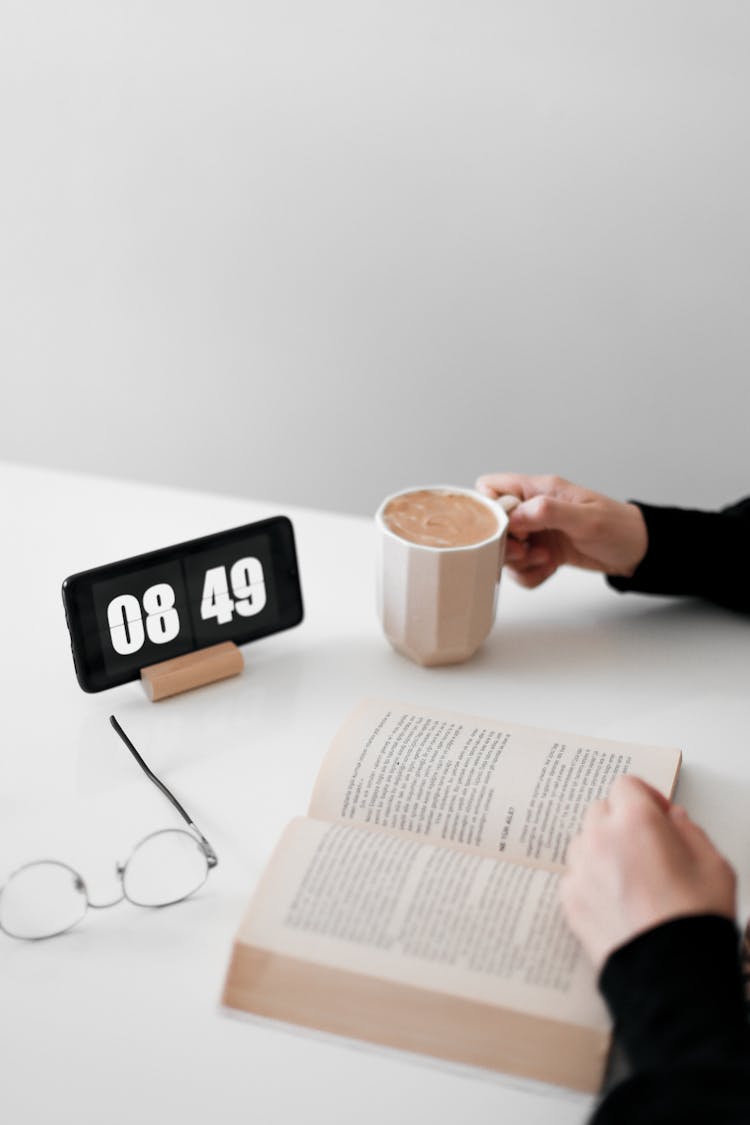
437, 604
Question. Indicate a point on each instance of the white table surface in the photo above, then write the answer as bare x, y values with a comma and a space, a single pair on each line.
119, 1020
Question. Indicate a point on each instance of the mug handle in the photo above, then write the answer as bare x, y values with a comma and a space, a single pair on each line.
507, 502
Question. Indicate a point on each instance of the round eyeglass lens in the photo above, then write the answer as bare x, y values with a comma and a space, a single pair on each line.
165, 868
41, 900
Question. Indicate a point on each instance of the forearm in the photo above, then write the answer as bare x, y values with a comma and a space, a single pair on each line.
709, 1093
695, 554
675, 994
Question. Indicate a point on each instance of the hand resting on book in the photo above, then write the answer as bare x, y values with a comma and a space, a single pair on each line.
639, 861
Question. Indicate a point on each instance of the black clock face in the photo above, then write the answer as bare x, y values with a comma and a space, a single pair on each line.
233, 586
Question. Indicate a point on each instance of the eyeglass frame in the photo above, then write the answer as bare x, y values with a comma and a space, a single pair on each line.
120, 868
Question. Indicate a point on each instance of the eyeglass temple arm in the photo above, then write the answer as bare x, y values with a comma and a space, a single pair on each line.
210, 853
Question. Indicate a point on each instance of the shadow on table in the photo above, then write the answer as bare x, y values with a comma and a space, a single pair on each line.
622, 632
666, 642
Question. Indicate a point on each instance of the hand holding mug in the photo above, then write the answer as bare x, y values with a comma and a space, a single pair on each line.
558, 523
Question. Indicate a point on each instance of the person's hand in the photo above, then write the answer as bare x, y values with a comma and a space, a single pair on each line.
639, 861
558, 522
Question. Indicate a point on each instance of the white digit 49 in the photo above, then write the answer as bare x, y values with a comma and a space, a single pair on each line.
248, 586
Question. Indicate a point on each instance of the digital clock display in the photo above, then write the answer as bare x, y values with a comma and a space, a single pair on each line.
237, 586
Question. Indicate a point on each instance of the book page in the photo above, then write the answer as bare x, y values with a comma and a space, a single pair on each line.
505, 789
438, 918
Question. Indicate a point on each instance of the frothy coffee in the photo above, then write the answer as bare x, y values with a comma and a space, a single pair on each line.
439, 518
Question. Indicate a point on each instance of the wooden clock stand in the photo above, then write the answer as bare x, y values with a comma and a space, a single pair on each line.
194, 669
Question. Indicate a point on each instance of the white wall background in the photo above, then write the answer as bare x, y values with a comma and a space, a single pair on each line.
313, 251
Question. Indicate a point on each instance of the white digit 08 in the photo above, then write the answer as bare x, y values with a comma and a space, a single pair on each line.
162, 620
248, 586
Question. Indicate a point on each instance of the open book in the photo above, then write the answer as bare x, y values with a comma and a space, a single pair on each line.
417, 904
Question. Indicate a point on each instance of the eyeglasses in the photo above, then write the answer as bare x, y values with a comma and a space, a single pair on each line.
46, 898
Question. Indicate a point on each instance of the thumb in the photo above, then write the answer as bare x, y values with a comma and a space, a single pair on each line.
546, 513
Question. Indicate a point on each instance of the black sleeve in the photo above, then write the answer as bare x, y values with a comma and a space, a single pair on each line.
675, 994
696, 554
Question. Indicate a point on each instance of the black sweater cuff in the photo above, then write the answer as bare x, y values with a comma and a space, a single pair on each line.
695, 554
675, 993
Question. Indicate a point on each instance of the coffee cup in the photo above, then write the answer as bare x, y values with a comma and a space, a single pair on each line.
440, 555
